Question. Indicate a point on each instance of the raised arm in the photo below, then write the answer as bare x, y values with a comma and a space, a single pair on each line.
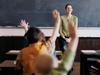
57, 21
73, 35
70, 53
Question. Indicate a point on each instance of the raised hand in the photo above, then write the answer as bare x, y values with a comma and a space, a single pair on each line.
55, 15
57, 21
24, 24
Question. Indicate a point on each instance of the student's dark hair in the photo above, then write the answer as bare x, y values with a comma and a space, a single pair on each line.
34, 35
68, 5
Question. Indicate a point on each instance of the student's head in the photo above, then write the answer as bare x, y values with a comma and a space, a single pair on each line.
68, 8
43, 64
34, 35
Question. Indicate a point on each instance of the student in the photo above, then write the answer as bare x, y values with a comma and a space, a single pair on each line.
64, 34
43, 64
37, 45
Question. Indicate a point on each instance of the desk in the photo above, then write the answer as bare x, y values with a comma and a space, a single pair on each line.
88, 60
8, 65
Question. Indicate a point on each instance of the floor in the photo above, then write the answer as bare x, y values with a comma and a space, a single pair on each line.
76, 69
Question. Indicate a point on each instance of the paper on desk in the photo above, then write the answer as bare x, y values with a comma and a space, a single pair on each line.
13, 52
88, 51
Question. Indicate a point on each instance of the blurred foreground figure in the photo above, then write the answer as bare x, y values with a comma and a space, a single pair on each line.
43, 64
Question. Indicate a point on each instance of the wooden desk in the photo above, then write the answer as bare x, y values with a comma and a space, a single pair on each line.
89, 59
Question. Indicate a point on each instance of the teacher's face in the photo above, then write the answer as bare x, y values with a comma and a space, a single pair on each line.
69, 9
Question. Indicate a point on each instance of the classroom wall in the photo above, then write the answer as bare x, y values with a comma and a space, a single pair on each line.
38, 12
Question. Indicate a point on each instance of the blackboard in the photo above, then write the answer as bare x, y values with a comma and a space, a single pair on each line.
38, 12
88, 12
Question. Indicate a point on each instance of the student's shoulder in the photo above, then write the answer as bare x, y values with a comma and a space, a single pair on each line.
25, 50
44, 46
43, 50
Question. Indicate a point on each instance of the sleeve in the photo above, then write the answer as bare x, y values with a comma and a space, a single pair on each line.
51, 46
67, 60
